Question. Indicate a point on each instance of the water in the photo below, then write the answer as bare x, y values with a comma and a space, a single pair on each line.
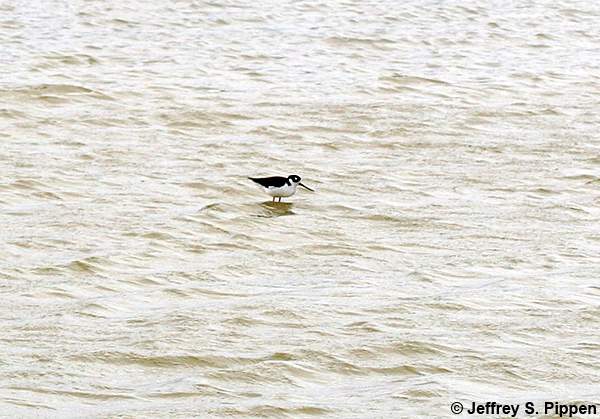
450, 251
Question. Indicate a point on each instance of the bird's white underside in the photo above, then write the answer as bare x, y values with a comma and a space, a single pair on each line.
283, 191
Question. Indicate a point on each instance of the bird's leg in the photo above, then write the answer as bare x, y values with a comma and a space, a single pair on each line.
273, 199
279, 199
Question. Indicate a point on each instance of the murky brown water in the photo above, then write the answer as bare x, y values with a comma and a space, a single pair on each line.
451, 251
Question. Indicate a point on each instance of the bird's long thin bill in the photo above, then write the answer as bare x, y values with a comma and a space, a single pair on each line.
306, 187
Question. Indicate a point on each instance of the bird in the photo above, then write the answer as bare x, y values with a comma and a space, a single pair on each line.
279, 186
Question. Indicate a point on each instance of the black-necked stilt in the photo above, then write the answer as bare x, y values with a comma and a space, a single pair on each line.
279, 186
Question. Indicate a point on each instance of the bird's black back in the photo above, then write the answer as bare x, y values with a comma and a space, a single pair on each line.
274, 181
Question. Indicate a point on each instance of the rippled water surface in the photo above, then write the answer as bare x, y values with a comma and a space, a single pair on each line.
450, 251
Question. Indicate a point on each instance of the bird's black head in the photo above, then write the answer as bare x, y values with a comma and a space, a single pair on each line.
296, 180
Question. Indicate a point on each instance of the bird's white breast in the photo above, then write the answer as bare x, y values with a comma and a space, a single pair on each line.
283, 191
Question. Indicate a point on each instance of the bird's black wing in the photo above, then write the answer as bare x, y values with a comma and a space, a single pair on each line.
274, 181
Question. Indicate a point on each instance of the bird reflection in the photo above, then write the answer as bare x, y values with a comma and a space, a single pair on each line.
276, 209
